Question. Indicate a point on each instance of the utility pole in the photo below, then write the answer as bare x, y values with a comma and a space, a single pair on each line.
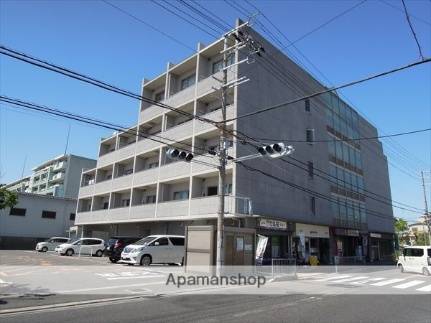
427, 214
222, 165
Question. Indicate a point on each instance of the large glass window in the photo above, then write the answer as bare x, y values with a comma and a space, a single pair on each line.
182, 195
339, 150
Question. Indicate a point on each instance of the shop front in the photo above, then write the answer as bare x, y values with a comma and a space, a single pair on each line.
311, 241
278, 239
346, 243
381, 246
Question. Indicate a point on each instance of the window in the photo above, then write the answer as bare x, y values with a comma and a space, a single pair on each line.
429, 252
228, 189
310, 135
212, 190
182, 195
17, 211
413, 252
128, 171
217, 66
177, 241
162, 242
72, 217
125, 202
49, 214
188, 81
307, 105
105, 205
160, 96
310, 169
150, 199
313, 205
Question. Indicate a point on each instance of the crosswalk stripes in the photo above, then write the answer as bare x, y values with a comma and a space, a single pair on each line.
366, 281
348, 279
333, 277
425, 289
409, 284
388, 282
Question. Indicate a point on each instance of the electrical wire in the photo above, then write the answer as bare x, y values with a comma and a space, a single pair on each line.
412, 30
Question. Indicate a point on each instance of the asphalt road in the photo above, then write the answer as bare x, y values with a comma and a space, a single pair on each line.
50, 288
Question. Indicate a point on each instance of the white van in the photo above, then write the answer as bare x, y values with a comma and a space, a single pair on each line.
416, 258
155, 249
87, 246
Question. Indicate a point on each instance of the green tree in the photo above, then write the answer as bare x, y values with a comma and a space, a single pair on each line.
422, 239
401, 230
7, 198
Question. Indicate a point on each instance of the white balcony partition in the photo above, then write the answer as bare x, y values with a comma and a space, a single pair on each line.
122, 182
144, 211
174, 170
173, 208
145, 177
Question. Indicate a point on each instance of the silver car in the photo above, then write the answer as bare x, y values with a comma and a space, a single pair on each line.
50, 244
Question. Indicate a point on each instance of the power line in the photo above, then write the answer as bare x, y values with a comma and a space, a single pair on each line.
148, 25
349, 140
412, 30
99, 123
401, 10
280, 105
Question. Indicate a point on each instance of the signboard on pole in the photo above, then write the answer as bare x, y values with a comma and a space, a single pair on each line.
262, 241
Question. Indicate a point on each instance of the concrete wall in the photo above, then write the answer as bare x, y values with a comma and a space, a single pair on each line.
73, 176
376, 179
269, 197
20, 231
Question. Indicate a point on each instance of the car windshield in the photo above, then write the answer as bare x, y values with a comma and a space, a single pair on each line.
144, 241
76, 242
429, 252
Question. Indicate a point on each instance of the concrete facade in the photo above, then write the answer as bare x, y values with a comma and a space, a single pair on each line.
24, 225
135, 185
59, 177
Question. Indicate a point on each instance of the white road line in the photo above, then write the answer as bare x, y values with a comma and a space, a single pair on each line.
425, 289
409, 284
108, 287
388, 282
2, 282
348, 279
330, 278
367, 281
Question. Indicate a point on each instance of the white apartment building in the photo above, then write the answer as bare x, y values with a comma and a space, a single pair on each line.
58, 177
135, 189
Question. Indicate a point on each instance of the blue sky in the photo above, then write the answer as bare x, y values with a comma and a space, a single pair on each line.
94, 38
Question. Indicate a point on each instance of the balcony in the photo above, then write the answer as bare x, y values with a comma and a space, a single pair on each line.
173, 208
181, 97
103, 187
206, 85
209, 206
57, 177
216, 115
150, 113
86, 190
60, 165
116, 155
145, 177
122, 182
174, 170
144, 211
180, 131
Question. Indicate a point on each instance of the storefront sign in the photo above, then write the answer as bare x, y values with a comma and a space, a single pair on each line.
312, 231
346, 232
273, 224
375, 235
261, 246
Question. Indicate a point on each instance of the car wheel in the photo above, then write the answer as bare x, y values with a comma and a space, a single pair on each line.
99, 253
146, 260
425, 271
401, 268
113, 260
44, 249
69, 252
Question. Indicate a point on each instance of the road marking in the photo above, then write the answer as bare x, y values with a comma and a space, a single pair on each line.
348, 279
388, 282
108, 287
330, 278
425, 289
409, 284
367, 281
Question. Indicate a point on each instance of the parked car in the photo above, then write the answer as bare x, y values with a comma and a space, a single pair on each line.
416, 259
50, 244
88, 246
116, 245
155, 249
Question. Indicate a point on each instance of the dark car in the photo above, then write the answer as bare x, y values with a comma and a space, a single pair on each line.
116, 245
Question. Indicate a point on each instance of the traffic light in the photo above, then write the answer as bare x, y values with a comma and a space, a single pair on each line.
275, 150
174, 153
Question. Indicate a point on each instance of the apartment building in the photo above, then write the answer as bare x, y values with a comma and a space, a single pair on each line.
135, 189
58, 177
